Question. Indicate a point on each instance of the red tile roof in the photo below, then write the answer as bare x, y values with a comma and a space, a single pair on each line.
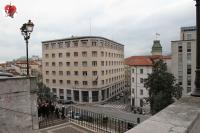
138, 61
143, 60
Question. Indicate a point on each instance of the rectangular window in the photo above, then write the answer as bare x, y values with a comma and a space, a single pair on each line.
94, 63
75, 54
67, 44
76, 82
141, 80
46, 55
85, 83
68, 73
102, 63
84, 43
76, 64
60, 64
94, 43
94, 73
47, 63
76, 73
102, 73
84, 73
132, 70
68, 54
94, 53
47, 72
53, 55
61, 81
53, 81
133, 90
133, 80
46, 46
68, 82
94, 83
141, 92
84, 63
53, 64
180, 49
102, 82
188, 46
47, 80
60, 55
53, 72
61, 73
75, 43
84, 54
141, 71
102, 54
189, 36
67, 63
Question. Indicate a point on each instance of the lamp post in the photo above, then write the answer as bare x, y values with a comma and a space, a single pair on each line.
196, 91
26, 30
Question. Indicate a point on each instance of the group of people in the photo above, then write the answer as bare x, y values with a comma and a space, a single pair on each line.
50, 110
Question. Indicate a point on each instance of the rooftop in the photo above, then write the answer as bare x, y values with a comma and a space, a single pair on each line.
80, 37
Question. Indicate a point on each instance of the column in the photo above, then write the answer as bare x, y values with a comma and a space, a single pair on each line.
90, 96
100, 96
72, 95
80, 96
65, 94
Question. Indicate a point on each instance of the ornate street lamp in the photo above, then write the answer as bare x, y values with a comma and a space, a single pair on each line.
26, 30
196, 91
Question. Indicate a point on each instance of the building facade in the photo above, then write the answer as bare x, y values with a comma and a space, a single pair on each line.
138, 68
184, 58
83, 69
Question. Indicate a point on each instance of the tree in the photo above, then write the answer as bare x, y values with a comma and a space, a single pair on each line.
44, 92
162, 86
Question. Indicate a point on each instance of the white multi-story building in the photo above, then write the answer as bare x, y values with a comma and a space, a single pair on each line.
83, 69
184, 58
140, 67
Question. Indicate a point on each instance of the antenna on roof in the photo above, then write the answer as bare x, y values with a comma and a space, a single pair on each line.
90, 26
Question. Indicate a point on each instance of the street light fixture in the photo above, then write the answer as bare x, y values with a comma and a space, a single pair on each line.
26, 30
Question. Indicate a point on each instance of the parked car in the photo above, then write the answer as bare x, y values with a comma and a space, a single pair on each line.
117, 97
77, 115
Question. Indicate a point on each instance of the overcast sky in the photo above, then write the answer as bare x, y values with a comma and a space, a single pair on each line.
133, 23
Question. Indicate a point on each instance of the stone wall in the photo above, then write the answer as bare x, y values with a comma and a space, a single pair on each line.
18, 108
181, 117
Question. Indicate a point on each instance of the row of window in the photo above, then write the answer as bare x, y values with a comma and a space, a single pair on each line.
141, 71
141, 80
141, 91
85, 54
85, 63
85, 73
94, 83
180, 48
82, 43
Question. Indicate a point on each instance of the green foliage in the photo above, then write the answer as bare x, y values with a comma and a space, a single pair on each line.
44, 92
162, 87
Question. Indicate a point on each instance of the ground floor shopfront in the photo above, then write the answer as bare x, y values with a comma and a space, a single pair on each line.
92, 95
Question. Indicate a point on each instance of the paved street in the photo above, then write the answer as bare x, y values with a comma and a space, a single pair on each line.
113, 112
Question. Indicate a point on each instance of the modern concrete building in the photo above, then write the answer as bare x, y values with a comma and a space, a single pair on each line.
85, 69
184, 58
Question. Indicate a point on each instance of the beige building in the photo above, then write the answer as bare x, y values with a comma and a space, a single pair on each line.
83, 69
184, 58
